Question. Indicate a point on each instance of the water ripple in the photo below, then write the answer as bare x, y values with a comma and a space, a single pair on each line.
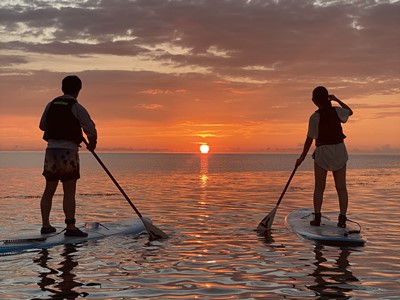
213, 251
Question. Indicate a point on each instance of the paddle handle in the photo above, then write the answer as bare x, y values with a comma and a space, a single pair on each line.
115, 181
287, 185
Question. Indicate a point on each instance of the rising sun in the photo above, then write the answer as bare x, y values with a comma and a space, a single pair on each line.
204, 149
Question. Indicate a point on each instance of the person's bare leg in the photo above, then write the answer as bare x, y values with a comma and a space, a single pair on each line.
69, 202
46, 202
341, 188
319, 188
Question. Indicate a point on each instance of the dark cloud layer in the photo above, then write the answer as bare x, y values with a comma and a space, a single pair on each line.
358, 38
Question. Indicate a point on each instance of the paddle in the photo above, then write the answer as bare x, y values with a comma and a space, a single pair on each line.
154, 232
265, 225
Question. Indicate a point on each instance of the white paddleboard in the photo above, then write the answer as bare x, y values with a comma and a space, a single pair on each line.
327, 233
95, 231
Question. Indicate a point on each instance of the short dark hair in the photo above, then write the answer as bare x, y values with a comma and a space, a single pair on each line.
321, 96
71, 84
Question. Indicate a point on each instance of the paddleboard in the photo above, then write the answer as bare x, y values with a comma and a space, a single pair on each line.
95, 231
327, 233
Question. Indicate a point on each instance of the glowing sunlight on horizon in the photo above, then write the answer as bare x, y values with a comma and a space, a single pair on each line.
204, 149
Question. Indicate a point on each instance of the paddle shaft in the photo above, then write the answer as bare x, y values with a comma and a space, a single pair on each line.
265, 225
287, 185
115, 182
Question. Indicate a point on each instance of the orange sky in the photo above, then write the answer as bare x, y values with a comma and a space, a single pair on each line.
170, 75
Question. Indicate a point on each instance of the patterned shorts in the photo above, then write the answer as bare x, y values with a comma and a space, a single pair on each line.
61, 164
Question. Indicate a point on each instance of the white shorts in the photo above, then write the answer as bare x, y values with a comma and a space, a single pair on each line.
331, 157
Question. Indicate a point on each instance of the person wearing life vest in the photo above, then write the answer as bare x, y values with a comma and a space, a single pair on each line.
62, 122
330, 153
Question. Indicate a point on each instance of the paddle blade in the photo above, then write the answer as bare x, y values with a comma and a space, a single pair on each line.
154, 232
266, 223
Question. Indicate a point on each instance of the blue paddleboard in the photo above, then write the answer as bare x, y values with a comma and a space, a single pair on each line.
95, 231
328, 233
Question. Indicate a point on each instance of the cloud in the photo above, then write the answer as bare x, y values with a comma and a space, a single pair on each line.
150, 106
203, 61
227, 37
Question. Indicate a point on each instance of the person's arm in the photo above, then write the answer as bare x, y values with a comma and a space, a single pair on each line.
307, 145
88, 126
42, 124
341, 103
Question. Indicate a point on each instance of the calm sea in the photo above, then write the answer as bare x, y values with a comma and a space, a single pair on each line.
210, 206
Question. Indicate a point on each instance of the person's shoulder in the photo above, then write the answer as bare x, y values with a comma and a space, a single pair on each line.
314, 116
315, 113
342, 111
343, 114
338, 108
80, 106
80, 109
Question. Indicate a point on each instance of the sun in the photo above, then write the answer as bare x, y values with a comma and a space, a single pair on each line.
204, 149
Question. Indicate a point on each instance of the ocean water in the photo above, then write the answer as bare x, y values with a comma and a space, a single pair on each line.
209, 205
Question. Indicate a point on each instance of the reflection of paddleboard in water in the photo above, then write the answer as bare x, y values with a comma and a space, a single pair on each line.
327, 233
95, 231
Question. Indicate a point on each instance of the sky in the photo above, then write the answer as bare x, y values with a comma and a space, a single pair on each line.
170, 75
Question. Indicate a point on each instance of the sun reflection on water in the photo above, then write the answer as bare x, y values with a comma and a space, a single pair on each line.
203, 170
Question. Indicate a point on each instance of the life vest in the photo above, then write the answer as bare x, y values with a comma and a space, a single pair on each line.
330, 130
61, 124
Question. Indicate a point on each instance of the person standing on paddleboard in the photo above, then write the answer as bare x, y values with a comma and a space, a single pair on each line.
330, 154
62, 122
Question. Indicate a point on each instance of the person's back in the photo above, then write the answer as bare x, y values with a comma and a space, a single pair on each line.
330, 130
61, 124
